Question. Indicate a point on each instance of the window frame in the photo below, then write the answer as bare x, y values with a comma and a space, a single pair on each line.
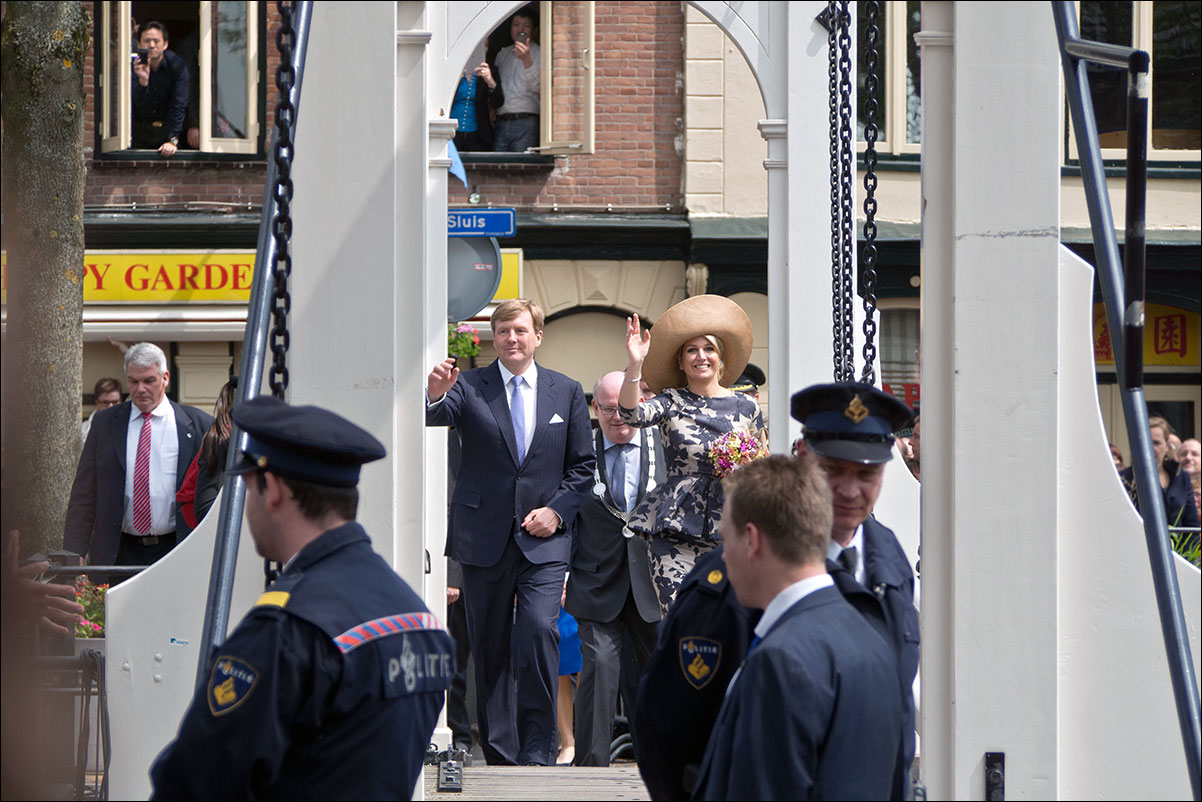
548, 145
891, 135
114, 138
249, 144
1142, 34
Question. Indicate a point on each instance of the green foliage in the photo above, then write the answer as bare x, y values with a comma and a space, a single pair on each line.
92, 598
462, 341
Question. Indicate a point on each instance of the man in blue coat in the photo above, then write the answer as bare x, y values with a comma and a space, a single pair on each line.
813, 712
849, 429
527, 465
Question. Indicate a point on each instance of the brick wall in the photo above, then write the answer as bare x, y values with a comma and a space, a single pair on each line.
639, 117
639, 113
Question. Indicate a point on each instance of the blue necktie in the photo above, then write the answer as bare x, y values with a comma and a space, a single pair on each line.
617, 482
517, 412
754, 643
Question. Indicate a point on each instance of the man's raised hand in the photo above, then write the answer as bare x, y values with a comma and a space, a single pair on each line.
441, 379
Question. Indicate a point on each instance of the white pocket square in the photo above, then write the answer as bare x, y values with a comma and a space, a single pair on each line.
555, 418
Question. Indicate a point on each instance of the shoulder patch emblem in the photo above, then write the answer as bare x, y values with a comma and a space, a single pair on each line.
699, 659
231, 682
273, 598
714, 577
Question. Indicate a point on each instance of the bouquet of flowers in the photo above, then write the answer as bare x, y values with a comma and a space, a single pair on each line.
92, 598
733, 449
462, 340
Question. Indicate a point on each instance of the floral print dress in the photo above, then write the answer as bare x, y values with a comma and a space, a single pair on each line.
679, 518
688, 505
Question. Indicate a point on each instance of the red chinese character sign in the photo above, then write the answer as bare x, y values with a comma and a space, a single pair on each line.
1171, 336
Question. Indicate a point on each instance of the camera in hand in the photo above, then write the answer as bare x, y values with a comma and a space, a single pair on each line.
141, 55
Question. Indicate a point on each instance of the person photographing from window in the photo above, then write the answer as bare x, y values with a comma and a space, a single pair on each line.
520, 77
160, 92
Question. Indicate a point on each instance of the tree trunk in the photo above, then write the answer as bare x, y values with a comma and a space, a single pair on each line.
42, 49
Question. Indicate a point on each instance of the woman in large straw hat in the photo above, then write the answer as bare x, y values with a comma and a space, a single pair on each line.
700, 348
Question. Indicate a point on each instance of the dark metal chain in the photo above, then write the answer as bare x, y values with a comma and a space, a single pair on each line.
847, 214
281, 226
836, 228
868, 273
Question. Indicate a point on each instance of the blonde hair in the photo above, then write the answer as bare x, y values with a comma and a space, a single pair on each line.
508, 310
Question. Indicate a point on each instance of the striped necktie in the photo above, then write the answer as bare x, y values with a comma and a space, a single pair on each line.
142, 517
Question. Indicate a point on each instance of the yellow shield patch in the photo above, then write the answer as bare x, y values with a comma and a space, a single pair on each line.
231, 682
699, 659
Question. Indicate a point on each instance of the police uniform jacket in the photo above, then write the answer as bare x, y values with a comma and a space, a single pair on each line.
329, 688
813, 714
891, 580
699, 645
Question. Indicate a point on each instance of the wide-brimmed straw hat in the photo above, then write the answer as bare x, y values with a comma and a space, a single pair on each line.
693, 317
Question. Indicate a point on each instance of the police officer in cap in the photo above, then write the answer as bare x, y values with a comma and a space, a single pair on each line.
849, 428
331, 685
750, 380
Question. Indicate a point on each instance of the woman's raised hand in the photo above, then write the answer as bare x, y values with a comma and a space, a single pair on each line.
637, 340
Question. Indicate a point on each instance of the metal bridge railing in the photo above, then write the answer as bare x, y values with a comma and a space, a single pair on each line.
1124, 298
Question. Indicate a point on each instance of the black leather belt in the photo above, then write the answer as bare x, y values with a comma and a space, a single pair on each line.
148, 540
521, 115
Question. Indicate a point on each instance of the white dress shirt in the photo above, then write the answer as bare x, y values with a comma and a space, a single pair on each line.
520, 85
164, 454
529, 396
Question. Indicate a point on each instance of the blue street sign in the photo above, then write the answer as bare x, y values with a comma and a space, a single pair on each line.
481, 222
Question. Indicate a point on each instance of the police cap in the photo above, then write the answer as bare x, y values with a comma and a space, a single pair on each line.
307, 443
753, 379
850, 421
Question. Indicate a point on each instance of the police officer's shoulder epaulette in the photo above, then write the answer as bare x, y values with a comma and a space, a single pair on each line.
273, 598
278, 594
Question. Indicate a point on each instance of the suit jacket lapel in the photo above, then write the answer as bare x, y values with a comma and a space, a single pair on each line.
544, 406
497, 397
188, 441
644, 464
120, 432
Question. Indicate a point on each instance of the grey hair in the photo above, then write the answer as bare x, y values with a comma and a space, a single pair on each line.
144, 355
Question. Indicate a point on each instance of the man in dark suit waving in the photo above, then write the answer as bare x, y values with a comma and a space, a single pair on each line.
122, 508
610, 590
527, 465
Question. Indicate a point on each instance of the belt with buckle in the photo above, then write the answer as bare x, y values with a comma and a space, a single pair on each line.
521, 115
148, 540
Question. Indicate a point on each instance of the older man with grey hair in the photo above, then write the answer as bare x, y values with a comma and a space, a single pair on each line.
122, 508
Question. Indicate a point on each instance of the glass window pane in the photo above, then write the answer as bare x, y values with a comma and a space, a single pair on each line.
862, 71
913, 73
119, 70
899, 353
230, 114
1176, 59
1108, 22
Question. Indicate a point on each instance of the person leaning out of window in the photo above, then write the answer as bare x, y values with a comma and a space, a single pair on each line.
160, 92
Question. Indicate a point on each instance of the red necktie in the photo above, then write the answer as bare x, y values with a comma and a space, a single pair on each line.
142, 479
